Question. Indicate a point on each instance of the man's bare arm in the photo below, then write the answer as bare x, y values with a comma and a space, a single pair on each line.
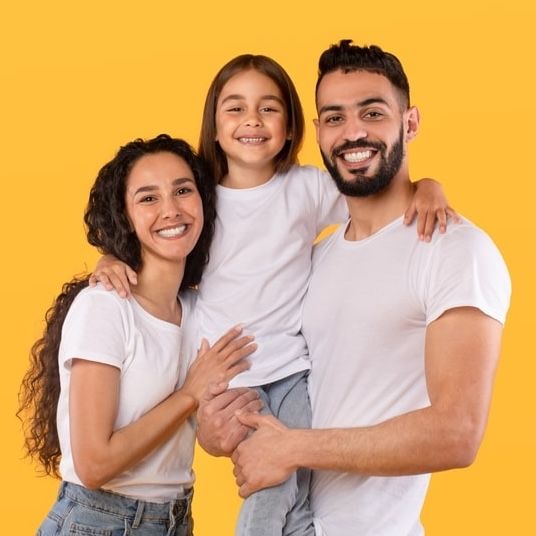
461, 353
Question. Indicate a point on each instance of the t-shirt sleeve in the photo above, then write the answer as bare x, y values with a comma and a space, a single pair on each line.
95, 329
331, 207
467, 270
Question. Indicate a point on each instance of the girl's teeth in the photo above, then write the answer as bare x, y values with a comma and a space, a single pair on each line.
358, 156
175, 231
251, 140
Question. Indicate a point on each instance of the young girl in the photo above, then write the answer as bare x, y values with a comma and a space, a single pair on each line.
108, 396
269, 212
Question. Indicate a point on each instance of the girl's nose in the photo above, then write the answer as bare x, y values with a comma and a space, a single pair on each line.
253, 120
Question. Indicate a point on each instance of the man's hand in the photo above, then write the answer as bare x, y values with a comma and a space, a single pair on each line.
218, 429
260, 460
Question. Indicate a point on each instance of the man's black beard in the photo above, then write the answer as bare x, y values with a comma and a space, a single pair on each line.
362, 185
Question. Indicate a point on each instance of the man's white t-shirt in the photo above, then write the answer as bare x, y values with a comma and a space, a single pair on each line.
260, 263
364, 320
102, 327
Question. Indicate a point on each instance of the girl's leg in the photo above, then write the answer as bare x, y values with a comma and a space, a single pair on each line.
283, 509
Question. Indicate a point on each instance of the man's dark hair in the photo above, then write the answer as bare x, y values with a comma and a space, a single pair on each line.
347, 58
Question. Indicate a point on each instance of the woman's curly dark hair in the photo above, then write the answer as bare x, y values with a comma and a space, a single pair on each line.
107, 229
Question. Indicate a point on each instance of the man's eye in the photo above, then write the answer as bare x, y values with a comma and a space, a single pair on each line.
334, 119
373, 115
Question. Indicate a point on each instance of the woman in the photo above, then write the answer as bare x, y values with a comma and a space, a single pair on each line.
109, 391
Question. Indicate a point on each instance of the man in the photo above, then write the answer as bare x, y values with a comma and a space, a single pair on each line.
404, 336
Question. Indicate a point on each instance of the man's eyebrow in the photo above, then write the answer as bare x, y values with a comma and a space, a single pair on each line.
360, 104
330, 108
373, 100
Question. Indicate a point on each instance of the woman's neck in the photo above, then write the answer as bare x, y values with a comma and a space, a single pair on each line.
158, 288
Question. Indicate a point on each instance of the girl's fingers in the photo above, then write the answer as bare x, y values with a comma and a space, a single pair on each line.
442, 219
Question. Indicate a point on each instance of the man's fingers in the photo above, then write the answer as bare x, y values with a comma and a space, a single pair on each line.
253, 420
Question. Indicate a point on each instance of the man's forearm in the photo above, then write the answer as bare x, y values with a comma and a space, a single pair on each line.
418, 442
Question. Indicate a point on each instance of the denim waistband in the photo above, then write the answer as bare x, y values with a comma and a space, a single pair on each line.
123, 506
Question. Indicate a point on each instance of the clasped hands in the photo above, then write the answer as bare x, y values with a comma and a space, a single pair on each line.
226, 419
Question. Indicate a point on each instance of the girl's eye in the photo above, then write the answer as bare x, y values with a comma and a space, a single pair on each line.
269, 109
234, 109
147, 199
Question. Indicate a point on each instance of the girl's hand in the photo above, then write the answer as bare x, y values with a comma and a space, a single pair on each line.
114, 275
430, 205
218, 364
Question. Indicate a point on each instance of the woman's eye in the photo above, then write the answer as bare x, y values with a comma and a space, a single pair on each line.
147, 199
183, 191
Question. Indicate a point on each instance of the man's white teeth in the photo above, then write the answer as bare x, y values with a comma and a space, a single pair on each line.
251, 140
174, 231
358, 156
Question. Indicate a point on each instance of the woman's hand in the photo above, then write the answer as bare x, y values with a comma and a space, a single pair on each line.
219, 363
114, 275
431, 207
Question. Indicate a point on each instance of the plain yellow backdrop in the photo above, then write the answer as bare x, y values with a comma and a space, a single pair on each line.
79, 79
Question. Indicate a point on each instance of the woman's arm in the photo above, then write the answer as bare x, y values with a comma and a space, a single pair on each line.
99, 452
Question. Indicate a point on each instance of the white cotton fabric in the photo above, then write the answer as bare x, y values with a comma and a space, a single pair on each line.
150, 353
365, 317
259, 267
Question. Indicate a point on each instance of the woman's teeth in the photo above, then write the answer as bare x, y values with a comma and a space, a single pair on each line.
172, 232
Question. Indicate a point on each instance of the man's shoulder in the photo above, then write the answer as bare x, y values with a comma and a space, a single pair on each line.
464, 235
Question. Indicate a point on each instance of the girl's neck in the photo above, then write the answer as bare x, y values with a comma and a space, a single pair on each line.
158, 288
240, 177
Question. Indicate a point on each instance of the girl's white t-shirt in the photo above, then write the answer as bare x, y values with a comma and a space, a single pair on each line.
260, 263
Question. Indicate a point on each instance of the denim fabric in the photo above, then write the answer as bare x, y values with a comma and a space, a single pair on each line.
79, 511
282, 510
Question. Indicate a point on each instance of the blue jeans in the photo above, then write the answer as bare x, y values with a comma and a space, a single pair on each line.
79, 511
284, 509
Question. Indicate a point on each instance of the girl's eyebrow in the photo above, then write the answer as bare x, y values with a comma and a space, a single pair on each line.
236, 96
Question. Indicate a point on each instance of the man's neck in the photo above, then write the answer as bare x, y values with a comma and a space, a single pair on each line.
370, 214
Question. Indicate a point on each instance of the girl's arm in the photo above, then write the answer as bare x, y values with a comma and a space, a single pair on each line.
114, 275
430, 205
99, 452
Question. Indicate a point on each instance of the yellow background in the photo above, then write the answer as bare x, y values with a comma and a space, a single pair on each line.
79, 79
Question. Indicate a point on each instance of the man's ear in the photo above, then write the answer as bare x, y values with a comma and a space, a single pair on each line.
412, 119
317, 125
